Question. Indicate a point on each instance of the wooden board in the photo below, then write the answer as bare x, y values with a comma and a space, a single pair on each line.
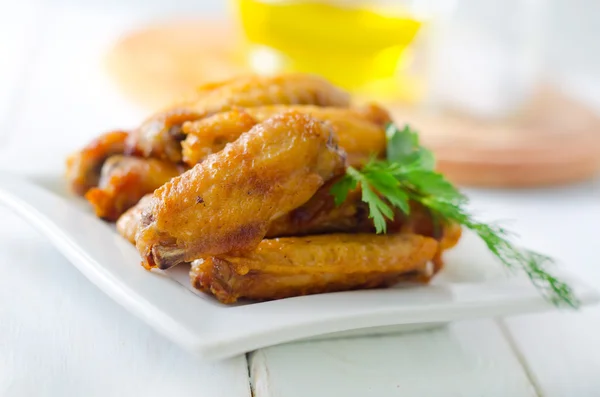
555, 140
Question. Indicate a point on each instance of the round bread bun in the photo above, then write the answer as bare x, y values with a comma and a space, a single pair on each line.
157, 64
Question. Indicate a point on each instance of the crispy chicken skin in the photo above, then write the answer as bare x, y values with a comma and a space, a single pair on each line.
160, 135
320, 215
375, 113
211, 134
371, 112
256, 90
226, 203
83, 167
450, 237
285, 267
129, 223
358, 134
361, 132
124, 180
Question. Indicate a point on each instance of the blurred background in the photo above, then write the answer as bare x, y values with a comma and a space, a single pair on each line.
572, 26
505, 92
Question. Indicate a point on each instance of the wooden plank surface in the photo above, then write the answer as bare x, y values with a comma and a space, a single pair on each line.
464, 359
61, 336
561, 350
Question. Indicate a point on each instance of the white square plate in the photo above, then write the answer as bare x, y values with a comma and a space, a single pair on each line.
472, 285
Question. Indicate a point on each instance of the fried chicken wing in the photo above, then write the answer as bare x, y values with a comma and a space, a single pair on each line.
211, 134
129, 223
125, 180
225, 203
357, 134
83, 167
160, 135
375, 113
320, 215
451, 233
361, 132
294, 266
371, 112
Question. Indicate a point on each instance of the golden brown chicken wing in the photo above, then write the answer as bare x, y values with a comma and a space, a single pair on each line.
451, 233
371, 112
294, 266
129, 223
125, 180
83, 167
375, 113
226, 203
211, 134
361, 132
160, 135
320, 215
422, 222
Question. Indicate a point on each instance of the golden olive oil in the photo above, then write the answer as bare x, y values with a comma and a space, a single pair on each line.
360, 48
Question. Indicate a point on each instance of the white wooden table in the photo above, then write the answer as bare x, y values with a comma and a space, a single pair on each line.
61, 336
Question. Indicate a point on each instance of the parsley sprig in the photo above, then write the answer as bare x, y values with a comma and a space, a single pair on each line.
407, 174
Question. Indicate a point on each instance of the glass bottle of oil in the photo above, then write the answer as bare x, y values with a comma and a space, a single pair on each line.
364, 46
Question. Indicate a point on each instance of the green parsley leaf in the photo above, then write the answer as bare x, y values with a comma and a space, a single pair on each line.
431, 183
425, 159
389, 187
408, 175
379, 211
340, 190
403, 147
400, 143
